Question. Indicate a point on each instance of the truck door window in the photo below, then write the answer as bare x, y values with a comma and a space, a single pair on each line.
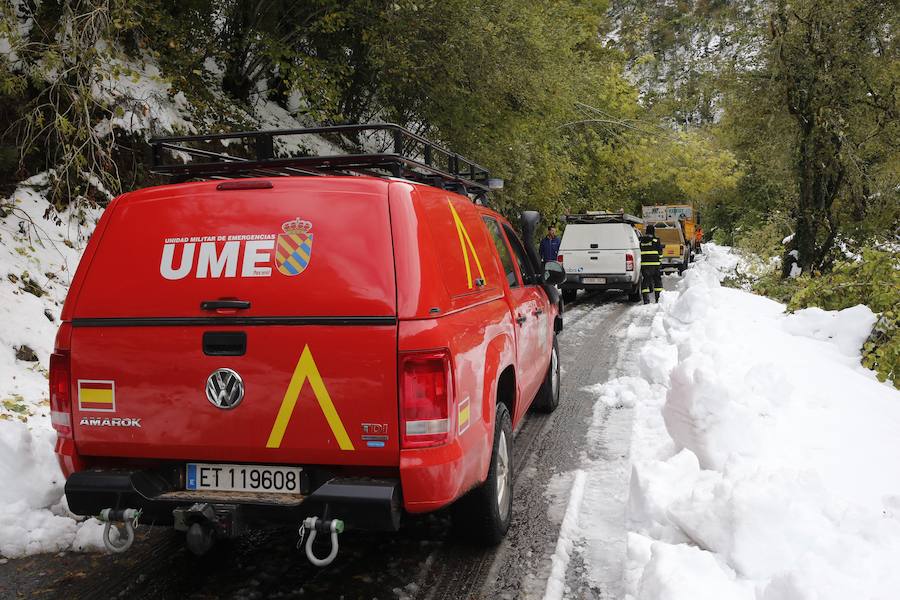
525, 268
508, 267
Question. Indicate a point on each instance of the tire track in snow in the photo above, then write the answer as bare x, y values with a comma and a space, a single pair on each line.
569, 529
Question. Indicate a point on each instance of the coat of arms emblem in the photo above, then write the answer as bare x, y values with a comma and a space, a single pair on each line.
294, 247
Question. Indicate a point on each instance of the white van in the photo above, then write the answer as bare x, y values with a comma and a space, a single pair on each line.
601, 251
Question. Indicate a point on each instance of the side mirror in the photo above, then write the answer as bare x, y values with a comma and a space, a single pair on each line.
554, 274
529, 221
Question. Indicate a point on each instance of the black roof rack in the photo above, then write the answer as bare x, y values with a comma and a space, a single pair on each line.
604, 217
409, 155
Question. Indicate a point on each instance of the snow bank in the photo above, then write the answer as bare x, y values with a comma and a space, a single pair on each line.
38, 258
762, 451
145, 102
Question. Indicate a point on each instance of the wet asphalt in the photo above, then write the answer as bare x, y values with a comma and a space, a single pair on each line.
421, 561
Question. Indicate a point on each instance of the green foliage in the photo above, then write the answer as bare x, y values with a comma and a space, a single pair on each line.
528, 89
803, 92
763, 239
832, 69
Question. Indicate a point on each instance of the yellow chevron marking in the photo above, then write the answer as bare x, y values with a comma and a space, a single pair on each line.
306, 370
465, 240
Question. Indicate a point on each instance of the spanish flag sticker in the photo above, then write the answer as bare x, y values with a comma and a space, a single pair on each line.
96, 395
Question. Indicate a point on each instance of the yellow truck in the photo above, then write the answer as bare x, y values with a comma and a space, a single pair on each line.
675, 213
675, 226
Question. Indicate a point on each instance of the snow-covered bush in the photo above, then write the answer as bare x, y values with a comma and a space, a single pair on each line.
874, 280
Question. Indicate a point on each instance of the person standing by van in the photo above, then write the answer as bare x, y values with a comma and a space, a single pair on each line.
549, 249
651, 276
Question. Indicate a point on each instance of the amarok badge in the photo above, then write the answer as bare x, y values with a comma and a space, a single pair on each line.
294, 247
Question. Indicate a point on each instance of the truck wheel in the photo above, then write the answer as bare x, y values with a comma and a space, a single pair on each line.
483, 515
635, 294
569, 295
547, 398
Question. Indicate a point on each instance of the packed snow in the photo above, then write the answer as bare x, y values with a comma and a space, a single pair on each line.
761, 451
38, 258
560, 560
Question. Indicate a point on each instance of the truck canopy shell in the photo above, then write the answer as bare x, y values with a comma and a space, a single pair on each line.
600, 236
279, 283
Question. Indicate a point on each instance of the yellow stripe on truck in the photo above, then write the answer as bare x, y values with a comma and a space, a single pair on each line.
464, 239
306, 370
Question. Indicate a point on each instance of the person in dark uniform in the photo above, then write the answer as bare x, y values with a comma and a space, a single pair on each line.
651, 276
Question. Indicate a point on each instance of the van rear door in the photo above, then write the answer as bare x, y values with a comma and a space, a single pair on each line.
255, 324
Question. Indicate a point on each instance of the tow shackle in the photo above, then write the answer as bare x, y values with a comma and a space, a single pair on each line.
129, 517
315, 525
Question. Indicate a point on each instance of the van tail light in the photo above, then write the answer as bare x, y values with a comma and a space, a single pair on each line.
629, 262
559, 258
61, 394
426, 392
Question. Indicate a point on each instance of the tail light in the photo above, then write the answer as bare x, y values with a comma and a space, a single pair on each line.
61, 394
629, 262
559, 258
426, 392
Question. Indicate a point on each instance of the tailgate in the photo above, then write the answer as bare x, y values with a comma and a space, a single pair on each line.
594, 261
309, 391
293, 362
672, 251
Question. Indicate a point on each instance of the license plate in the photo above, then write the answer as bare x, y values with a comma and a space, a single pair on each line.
594, 280
243, 478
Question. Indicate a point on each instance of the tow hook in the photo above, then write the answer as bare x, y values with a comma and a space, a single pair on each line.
129, 517
316, 525
204, 523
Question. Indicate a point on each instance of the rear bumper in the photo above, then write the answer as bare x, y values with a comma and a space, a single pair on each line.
617, 281
363, 503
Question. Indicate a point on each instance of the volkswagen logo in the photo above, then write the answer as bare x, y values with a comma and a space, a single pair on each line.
224, 389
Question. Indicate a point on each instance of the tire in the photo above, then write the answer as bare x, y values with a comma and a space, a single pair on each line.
483, 515
547, 398
635, 294
568, 296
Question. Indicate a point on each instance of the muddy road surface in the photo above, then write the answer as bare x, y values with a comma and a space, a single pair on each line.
422, 560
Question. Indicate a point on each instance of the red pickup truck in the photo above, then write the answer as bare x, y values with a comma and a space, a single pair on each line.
244, 351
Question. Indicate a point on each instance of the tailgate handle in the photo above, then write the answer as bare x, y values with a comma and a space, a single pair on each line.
224, 343
227, 304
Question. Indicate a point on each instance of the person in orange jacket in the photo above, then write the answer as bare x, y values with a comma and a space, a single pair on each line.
698, 238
